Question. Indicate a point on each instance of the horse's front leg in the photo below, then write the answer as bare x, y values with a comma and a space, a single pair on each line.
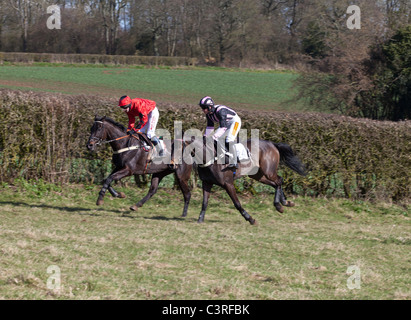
115, 175
182, 176
206, 195
116, 194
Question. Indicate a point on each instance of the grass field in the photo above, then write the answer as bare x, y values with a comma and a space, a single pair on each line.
109, 253
237, 88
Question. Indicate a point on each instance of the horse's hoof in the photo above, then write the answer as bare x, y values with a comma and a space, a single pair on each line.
279, 208
200, 221
99, 202
253, 222
290, 204
134, 208
122, 195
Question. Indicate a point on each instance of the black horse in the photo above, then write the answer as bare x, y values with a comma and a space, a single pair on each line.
264, 169
131, 156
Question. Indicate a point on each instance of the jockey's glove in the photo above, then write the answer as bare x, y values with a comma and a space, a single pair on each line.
131, 132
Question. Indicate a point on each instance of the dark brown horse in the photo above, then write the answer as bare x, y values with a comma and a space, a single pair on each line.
131, 157
262, 168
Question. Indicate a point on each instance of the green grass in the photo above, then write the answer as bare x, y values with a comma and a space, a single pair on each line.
237, 88
109, 253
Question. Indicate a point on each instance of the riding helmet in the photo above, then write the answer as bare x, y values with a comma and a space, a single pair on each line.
207, 103
125, 102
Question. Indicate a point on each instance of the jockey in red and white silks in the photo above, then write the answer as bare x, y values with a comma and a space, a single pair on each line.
229, 124
148, 114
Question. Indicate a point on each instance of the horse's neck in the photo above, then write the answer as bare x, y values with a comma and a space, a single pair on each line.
115, 133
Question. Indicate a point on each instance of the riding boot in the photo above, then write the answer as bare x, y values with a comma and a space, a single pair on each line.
158, 146
220, 150
233, 156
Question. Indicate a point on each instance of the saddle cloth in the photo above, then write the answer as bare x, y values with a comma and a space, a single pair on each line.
242, 152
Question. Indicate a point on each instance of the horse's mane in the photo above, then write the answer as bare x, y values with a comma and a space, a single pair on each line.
115, 123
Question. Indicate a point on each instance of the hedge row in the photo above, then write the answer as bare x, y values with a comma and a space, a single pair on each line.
95, 59
43, 135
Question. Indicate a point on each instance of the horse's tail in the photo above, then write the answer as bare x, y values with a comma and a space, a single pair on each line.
288, 157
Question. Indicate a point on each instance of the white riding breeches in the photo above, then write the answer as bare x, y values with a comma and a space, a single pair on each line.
150, 128
233, 129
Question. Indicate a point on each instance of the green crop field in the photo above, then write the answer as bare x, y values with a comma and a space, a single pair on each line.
237, 88
108, 252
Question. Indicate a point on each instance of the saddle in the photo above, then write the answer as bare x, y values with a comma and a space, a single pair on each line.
143, 137
148, 146
243, 155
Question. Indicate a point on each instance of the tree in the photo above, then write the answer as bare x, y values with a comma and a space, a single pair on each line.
110, 12
2, 21
390, 66
23, 11
224, 24
313, 42
269, 7
339, 55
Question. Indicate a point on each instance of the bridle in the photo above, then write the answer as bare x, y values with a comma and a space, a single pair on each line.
146, 148
101, 141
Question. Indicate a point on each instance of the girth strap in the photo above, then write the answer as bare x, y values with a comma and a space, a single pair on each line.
126, 149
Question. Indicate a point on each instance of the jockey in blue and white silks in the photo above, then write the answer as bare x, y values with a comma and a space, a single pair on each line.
229, 124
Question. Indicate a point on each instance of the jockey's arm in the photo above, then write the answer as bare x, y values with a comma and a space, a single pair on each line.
209, 128
131, 122
223, 125
142, 123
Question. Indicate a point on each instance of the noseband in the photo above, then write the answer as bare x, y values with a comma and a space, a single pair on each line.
98, 140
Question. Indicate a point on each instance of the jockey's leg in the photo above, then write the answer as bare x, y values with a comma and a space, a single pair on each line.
230, 140
229, 147
157, 144
151, 131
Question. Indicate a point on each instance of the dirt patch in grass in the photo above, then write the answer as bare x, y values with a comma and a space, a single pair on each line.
62, 87
76, 88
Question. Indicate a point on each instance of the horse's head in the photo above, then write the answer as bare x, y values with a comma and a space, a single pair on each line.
97, 133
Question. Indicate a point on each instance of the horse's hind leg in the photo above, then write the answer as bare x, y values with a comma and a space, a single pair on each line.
279, 197
277, 200
155, 181
284, 200
233, 195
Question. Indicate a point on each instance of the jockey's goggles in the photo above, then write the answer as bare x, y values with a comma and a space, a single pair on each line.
126, 106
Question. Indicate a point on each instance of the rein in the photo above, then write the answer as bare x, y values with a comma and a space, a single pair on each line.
108, 141
100, 141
